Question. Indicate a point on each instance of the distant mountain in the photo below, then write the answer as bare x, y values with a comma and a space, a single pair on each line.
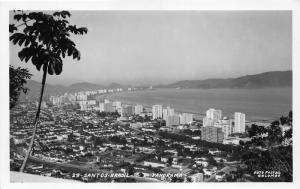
35, 87
262, 80
114, 86
84, 86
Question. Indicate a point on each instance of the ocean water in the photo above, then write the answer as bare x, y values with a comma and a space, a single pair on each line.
257, 104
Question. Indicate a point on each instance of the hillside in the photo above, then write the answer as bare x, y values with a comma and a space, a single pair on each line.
262, 80
35, 87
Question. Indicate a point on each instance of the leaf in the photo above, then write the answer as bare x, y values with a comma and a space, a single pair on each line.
16, 37
67, 13
28, 57
35, 60
70, 50
27, 42
51, 68
22, 39
18, 17
58, 67
21, 55
24, 16
82, 30
46, 41
38, 66
12, 28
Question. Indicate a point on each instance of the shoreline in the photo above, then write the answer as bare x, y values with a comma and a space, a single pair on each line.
197, 115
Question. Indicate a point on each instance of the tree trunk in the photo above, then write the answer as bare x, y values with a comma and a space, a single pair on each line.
35, 123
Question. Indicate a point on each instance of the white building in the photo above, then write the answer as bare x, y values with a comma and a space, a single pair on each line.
207, 122
186, 118
81, 97
156, 111
120, 110
172, 120
117, 104
138, 109
154, 163
91, 102
56, 100
101, 107
212, 116
197, 177
43, 104
239, 122
226, 126
167, 112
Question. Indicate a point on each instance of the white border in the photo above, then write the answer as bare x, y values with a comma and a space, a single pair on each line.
293, 5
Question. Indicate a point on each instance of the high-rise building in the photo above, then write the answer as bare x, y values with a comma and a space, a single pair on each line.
120, 111
56, 100
172, 120
212, 134
138, 109
231, 123
207, 122
186, 118
167, 112
43, 104
83, 107
226, 130
101, 107
127, 111
239, 122
107, 107
117, 104
214, 114
91, 102
225, 125
71, 98
156, 111
81, 96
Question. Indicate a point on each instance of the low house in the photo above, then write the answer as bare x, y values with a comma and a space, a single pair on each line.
197, 177
154, 163
209, 171
220, 176
214, 151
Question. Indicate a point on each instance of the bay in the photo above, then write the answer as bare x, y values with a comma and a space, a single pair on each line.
257, 104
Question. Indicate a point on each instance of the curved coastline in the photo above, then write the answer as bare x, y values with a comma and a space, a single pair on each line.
263, 105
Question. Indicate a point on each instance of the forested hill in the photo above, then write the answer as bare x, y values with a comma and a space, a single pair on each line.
262, 80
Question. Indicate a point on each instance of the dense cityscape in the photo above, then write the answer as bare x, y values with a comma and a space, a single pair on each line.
209, 95
87, 137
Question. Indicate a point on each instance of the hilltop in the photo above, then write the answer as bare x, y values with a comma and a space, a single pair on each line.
262, 80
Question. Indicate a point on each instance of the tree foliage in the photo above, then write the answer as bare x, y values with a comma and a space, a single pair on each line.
275, 157
17, 79
45, 39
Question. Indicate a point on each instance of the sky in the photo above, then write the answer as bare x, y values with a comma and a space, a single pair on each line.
161, 47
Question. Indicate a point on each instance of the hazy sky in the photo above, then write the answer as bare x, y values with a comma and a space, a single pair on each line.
152, 47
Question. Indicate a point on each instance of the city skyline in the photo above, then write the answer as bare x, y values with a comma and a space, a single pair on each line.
160, 47
204, 96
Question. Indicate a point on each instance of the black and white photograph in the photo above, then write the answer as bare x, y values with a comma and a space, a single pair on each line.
149, 96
